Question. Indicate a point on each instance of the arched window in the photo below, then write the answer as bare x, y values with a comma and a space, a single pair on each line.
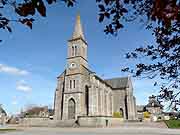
72, 50
74, 82
71, 109
87, 99
121, 112
75, 50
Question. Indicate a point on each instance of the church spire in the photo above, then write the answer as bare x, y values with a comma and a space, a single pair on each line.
78, 31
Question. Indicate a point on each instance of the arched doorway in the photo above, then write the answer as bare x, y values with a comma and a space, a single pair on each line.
87, 99
71, 109
121, 112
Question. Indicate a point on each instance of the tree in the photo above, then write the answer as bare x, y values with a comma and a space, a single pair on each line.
146, 115
36, 111
162, 18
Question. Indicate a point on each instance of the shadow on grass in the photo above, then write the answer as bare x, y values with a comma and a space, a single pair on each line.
173, 123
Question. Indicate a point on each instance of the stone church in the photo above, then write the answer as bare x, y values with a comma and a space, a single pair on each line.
82, 93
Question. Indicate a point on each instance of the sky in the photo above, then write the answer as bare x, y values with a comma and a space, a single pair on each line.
31, 60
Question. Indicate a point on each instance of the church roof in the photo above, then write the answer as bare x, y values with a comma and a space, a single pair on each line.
118, 83
62, 74
103, 81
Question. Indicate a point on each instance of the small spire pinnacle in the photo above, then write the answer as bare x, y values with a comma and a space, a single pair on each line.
78, 17
78, 31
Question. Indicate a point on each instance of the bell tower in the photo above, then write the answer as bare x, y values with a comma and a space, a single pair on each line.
75, 78
77, 49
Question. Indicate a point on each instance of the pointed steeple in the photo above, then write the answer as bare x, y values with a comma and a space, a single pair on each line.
78, 31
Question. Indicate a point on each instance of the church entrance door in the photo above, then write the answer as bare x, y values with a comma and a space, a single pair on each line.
121, 112
71, 109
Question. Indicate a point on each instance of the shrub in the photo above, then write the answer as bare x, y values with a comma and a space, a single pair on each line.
117, 115
146, 114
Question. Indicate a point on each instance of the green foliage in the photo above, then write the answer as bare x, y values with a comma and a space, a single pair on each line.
117, 115
146, 114
118, 11
173, 123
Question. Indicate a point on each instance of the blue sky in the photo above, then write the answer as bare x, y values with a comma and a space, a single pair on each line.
30, 60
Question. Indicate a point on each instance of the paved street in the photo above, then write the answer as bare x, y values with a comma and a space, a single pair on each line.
97, 131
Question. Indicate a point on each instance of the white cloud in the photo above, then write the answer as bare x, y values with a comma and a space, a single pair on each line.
14, 102
12, 70
23, 86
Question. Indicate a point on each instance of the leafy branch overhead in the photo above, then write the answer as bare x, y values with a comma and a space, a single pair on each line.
25, 10
118, 11
162, 18
165, 62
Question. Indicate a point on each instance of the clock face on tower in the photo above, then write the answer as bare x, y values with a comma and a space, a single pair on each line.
72, 65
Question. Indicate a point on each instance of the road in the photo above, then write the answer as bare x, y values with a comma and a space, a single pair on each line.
96, 131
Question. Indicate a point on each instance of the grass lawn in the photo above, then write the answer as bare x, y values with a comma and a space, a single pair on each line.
2, 130
173, 123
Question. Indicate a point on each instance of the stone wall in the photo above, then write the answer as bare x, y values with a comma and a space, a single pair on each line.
78, 104
58, 97
45, 122
101, 97
154, 110
36, 122
116, 122
119, 101
99, 121
3, 119
82, 122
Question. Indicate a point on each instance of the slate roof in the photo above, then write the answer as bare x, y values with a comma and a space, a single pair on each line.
103, 81
2, 111
61, 74
118, 83
140, 108
153, 102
